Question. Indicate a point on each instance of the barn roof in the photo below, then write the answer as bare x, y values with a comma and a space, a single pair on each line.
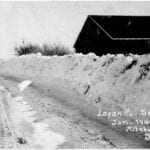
124, 27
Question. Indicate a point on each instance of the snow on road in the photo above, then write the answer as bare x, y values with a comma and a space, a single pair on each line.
39, 115
73, 88
23, 117
28, 134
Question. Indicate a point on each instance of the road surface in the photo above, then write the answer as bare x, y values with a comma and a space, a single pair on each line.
52, 116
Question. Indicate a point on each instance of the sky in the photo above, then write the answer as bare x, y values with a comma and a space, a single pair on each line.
56, 22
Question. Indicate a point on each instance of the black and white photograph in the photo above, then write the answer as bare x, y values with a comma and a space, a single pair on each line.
74, 74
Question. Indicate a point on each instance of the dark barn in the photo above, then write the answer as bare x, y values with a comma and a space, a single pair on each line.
114, 34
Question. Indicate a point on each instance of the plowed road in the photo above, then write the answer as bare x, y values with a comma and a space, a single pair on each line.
50, 116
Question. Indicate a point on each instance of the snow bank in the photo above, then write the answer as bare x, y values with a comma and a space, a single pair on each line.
111, 83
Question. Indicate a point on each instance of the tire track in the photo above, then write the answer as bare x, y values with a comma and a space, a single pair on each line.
7, 135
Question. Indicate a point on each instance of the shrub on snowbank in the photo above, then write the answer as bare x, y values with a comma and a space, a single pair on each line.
27, 49
45, 50
59, 50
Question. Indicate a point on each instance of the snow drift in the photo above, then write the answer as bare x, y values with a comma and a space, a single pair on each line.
110, 83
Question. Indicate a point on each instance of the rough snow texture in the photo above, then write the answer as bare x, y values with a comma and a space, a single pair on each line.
110, 82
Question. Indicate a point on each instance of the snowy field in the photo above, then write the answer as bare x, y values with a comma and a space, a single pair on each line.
114, 86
